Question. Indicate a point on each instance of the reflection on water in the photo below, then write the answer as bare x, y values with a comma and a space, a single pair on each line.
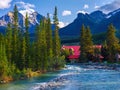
73, 77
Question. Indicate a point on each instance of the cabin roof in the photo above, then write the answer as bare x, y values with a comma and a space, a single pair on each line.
76, 50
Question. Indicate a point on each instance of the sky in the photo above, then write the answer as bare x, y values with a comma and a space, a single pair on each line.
67, 9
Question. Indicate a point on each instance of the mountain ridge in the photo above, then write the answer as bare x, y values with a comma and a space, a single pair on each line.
97, 21
34, 19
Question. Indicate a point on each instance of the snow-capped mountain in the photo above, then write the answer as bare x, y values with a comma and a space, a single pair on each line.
34, 19
97, 21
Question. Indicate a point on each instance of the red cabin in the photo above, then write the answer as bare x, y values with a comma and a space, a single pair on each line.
76, 52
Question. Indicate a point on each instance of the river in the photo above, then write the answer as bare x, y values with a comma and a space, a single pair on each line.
72, 77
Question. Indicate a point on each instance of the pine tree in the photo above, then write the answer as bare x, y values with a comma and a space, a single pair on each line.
83, 45
86, 44
4, 69
56, 35
55, 18
43, 47
88, 41
49, 40
27, 40
56, 42
33, 63
37, 45
15, 38
112, 42
9, 42
23, 54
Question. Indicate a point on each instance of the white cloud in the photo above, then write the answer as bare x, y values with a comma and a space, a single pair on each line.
111, 6
25, 8
62, 24
82, 11
5, 4
66, 13
86, 6
97, 7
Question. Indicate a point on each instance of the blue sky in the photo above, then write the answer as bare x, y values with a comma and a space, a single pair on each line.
67, 9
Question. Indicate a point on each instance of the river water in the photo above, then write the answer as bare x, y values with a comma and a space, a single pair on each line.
72, 77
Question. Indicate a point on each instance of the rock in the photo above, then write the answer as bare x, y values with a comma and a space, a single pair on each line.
3, 81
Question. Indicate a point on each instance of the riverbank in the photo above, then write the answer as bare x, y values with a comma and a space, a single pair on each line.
24, 75
72, 77
19, 76
30, 74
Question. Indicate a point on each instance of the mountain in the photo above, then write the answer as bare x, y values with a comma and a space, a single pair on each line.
34, 19
98, 16
73, 29
97, 21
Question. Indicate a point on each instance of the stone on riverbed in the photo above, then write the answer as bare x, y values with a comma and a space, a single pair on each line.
54, 83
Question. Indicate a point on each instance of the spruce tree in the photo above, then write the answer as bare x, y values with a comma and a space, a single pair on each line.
4, 68
56, 41
15, 38
82, 45
86, 44
112, 42
9, 42
49, 40
56, 35
27, 40
37, 45
88, 41
23, 53
43, 47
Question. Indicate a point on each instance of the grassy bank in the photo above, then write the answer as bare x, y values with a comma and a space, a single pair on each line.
23, 75
19, 75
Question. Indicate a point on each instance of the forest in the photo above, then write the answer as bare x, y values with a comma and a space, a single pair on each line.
21, 58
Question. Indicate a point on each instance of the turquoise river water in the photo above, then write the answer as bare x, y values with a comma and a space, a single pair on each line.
72, 77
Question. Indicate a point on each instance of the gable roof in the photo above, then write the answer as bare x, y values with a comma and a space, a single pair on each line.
76, 51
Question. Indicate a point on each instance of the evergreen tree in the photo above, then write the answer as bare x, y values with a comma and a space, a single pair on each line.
56, 42
55, 18
56, 35
23, 54
27, 40
33, 56
88, 41
9, 42
49, 40
15, 38
86, 44
43, 47
37, 45
82, 45
112, 42
4, 68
